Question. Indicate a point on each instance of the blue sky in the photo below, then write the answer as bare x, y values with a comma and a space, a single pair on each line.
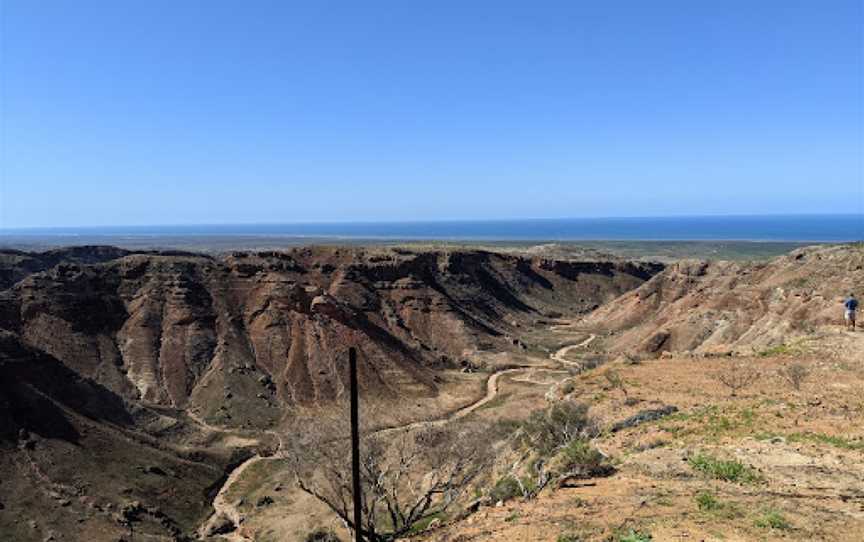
236, 112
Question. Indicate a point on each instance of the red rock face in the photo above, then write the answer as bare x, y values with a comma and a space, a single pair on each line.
270, 330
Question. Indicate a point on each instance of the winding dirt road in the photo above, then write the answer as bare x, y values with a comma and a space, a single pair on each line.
491, 393
559, 355
220, 504
222, 507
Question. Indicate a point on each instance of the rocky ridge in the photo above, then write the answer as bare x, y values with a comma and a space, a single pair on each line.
137, 382
735, 307
178, 330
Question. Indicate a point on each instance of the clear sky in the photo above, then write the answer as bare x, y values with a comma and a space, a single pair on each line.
183, 112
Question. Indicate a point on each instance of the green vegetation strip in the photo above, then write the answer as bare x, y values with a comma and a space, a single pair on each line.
710, 421
818, 438
708, 503
772, 519
838, 442
729, 471
635, 536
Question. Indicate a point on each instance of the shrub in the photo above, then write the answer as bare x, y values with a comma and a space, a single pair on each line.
635, 536
613, 378
729, 471
794, 374
322, 535
437, 464
505, 488
779, 350
581, 459
549, 430
568, 538
737, 376
707, 502
772, 519
561, 433
589, 363
426, 522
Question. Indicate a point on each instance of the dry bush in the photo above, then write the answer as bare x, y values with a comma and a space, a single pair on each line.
737, 376
794, 374
613, 378
558, 440
590, 362
550, 430
322, 535
406, 476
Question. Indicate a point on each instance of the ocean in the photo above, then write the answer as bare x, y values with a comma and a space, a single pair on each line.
804, 228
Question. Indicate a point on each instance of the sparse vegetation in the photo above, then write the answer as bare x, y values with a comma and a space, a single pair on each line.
425, 523
613, 378
818, 429
507, 487
549, 430
729, 471
737, 376
322, 535
707, 502
794, 374
579, 457
817, 438
591, 362
779, 350
795, 348
635, 536
711, 421
497, 402
578, 502
406, 480
838, 442
557, 442
772, 519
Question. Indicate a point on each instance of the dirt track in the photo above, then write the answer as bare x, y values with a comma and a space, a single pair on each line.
221, 505
560, 354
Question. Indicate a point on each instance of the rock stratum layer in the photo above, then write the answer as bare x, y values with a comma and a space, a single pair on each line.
741, 307
176, 330
120, 371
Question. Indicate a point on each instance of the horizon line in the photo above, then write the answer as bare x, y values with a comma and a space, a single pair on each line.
4, 229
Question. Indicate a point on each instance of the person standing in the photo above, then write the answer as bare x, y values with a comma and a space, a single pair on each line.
851, 305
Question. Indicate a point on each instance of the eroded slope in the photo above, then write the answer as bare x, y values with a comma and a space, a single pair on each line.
735, 306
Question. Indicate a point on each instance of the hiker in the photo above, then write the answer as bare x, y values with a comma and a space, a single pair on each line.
851, 305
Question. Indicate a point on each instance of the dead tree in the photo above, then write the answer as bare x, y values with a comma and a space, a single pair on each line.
737, 376
615, 381
794, 374
406, 478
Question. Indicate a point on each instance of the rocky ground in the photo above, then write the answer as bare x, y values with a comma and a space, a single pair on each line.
149, 394
800, 455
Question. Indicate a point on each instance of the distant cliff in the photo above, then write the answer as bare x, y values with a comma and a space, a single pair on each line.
240, 338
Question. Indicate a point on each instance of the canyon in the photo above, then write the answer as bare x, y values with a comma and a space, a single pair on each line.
139, 388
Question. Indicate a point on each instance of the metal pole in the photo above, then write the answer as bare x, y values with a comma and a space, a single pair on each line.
355, 443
